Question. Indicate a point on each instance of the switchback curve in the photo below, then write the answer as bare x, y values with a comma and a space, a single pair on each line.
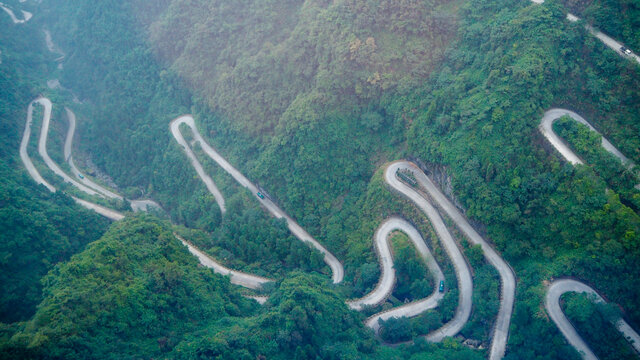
136, 205
552, 304
387, 279
559, 287
26, 16
68, 143
236, 277
386, 283
507, 275
546, 128
33, 172
335, 265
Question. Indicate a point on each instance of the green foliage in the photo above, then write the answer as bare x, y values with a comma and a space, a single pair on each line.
610, 168
396, 330
413, 278
594, 323
304, 319
619, 19
249, 239
311, 98
38, 229
135, 292
300, 53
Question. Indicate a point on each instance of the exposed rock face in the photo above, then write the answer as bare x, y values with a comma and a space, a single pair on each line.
440, 175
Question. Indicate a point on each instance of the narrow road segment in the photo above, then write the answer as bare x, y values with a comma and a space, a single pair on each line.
463, 273
335, 265
552, 304
387, 281
507, 275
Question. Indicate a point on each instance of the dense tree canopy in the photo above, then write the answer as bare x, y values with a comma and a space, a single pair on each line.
310, 99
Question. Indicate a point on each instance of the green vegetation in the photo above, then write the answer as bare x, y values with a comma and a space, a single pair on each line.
593, 322
606, 165
310, 99
620, 19
479, 117
38, 229
486, 296
413, 278
135, 292
36, 232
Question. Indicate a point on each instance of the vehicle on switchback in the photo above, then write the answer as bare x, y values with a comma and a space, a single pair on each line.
441, 287
81, 176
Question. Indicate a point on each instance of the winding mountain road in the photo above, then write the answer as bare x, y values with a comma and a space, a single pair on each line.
136, 205
463, 273
236, 277
208, 181
546, 128
507, 276
387, 280
552, 304
42, 149
33, 172
388, 277
560, 287
386, 283
335, 265
68, 143
26, 16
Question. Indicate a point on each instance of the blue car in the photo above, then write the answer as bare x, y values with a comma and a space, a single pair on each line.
260, 195
441, 288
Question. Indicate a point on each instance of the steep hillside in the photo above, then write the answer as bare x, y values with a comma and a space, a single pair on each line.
37, 229
310, 100
257, 61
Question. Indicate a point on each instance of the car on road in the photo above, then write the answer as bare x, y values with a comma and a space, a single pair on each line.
441, 287
260, 195
81, 176
625, 51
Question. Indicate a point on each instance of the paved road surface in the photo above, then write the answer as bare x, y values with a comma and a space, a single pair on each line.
24, 156
104, 211
297, 230
607, 40
42, 149
388, 277
507, 276
25, 14
546, 128
237, 277
465, 282
68, 144
385, 286
552, 304
208, 181
33, 172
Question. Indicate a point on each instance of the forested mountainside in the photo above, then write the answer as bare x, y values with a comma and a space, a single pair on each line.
620, 19
37, 229
311, 100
